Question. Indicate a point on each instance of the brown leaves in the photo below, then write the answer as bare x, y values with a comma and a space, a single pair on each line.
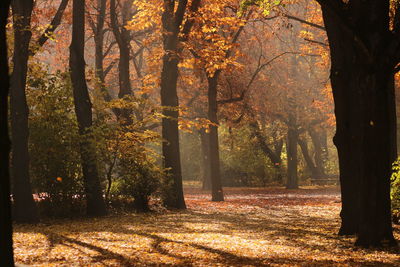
254, 227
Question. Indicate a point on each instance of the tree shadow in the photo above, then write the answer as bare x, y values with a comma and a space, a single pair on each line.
291, 226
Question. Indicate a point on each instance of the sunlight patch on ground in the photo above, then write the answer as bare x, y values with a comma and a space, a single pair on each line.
244, 230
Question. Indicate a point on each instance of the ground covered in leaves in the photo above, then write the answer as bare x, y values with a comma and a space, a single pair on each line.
253, 227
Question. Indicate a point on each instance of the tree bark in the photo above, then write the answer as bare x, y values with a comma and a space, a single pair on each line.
320, 150
170, 103
99, 50
291, 148
206, 177
25, 210
122, 37
213, 150
83, 109
378, 139
362, 75
314, 171
6, 242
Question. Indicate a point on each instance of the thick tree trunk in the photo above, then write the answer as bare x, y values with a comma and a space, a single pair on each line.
170, 103
83, 108
6, 242
363, 91
378, 153
291, 148
215, 173
347, 137
206, 176
24, 206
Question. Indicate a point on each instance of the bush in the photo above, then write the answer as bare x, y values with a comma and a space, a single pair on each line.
127, 161
242, 161
139, 181
53, 144
128, 167
395, 191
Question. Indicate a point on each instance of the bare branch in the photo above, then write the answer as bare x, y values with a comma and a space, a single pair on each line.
52, 27
304, 21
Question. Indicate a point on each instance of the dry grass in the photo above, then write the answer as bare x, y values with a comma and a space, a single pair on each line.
253, 227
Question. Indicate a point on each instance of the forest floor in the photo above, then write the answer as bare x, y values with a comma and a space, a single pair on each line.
253, 227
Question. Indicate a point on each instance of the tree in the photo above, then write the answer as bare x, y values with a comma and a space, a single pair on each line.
173, 33
83, 109
6, 243
24, 206
98, 36
217, 31
364, 54
122, 36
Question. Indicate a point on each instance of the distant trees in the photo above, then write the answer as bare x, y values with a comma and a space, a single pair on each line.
6, 243
364, 54
83, 108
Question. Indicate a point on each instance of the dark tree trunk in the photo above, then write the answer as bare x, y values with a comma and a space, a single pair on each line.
6, 242
377, 155
362, 76
122, 37
206, 176
99, 51
24, 206
83, 108
291, 148
314, 171
169, 101
141, 203
213, 150
347, 137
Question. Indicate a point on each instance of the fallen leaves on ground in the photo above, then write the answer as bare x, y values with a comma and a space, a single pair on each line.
253, 227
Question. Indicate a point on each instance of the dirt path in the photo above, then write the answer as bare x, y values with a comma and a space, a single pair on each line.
253, 227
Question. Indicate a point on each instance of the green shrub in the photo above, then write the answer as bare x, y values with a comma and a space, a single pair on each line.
395, 191
53, 144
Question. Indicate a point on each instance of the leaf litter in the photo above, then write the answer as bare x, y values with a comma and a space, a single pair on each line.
253, 227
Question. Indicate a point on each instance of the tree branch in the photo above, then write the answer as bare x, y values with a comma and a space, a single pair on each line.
316, 42
56, 21
304, 21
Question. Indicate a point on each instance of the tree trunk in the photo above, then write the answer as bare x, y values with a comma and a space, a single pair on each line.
378, 154
314, 171
319, 151
206, 177
213, 150
6, 242
24, 206
141, 203
363, 91
170, 103
291, 148
83, 108
274, 156
122, 37
99, 51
